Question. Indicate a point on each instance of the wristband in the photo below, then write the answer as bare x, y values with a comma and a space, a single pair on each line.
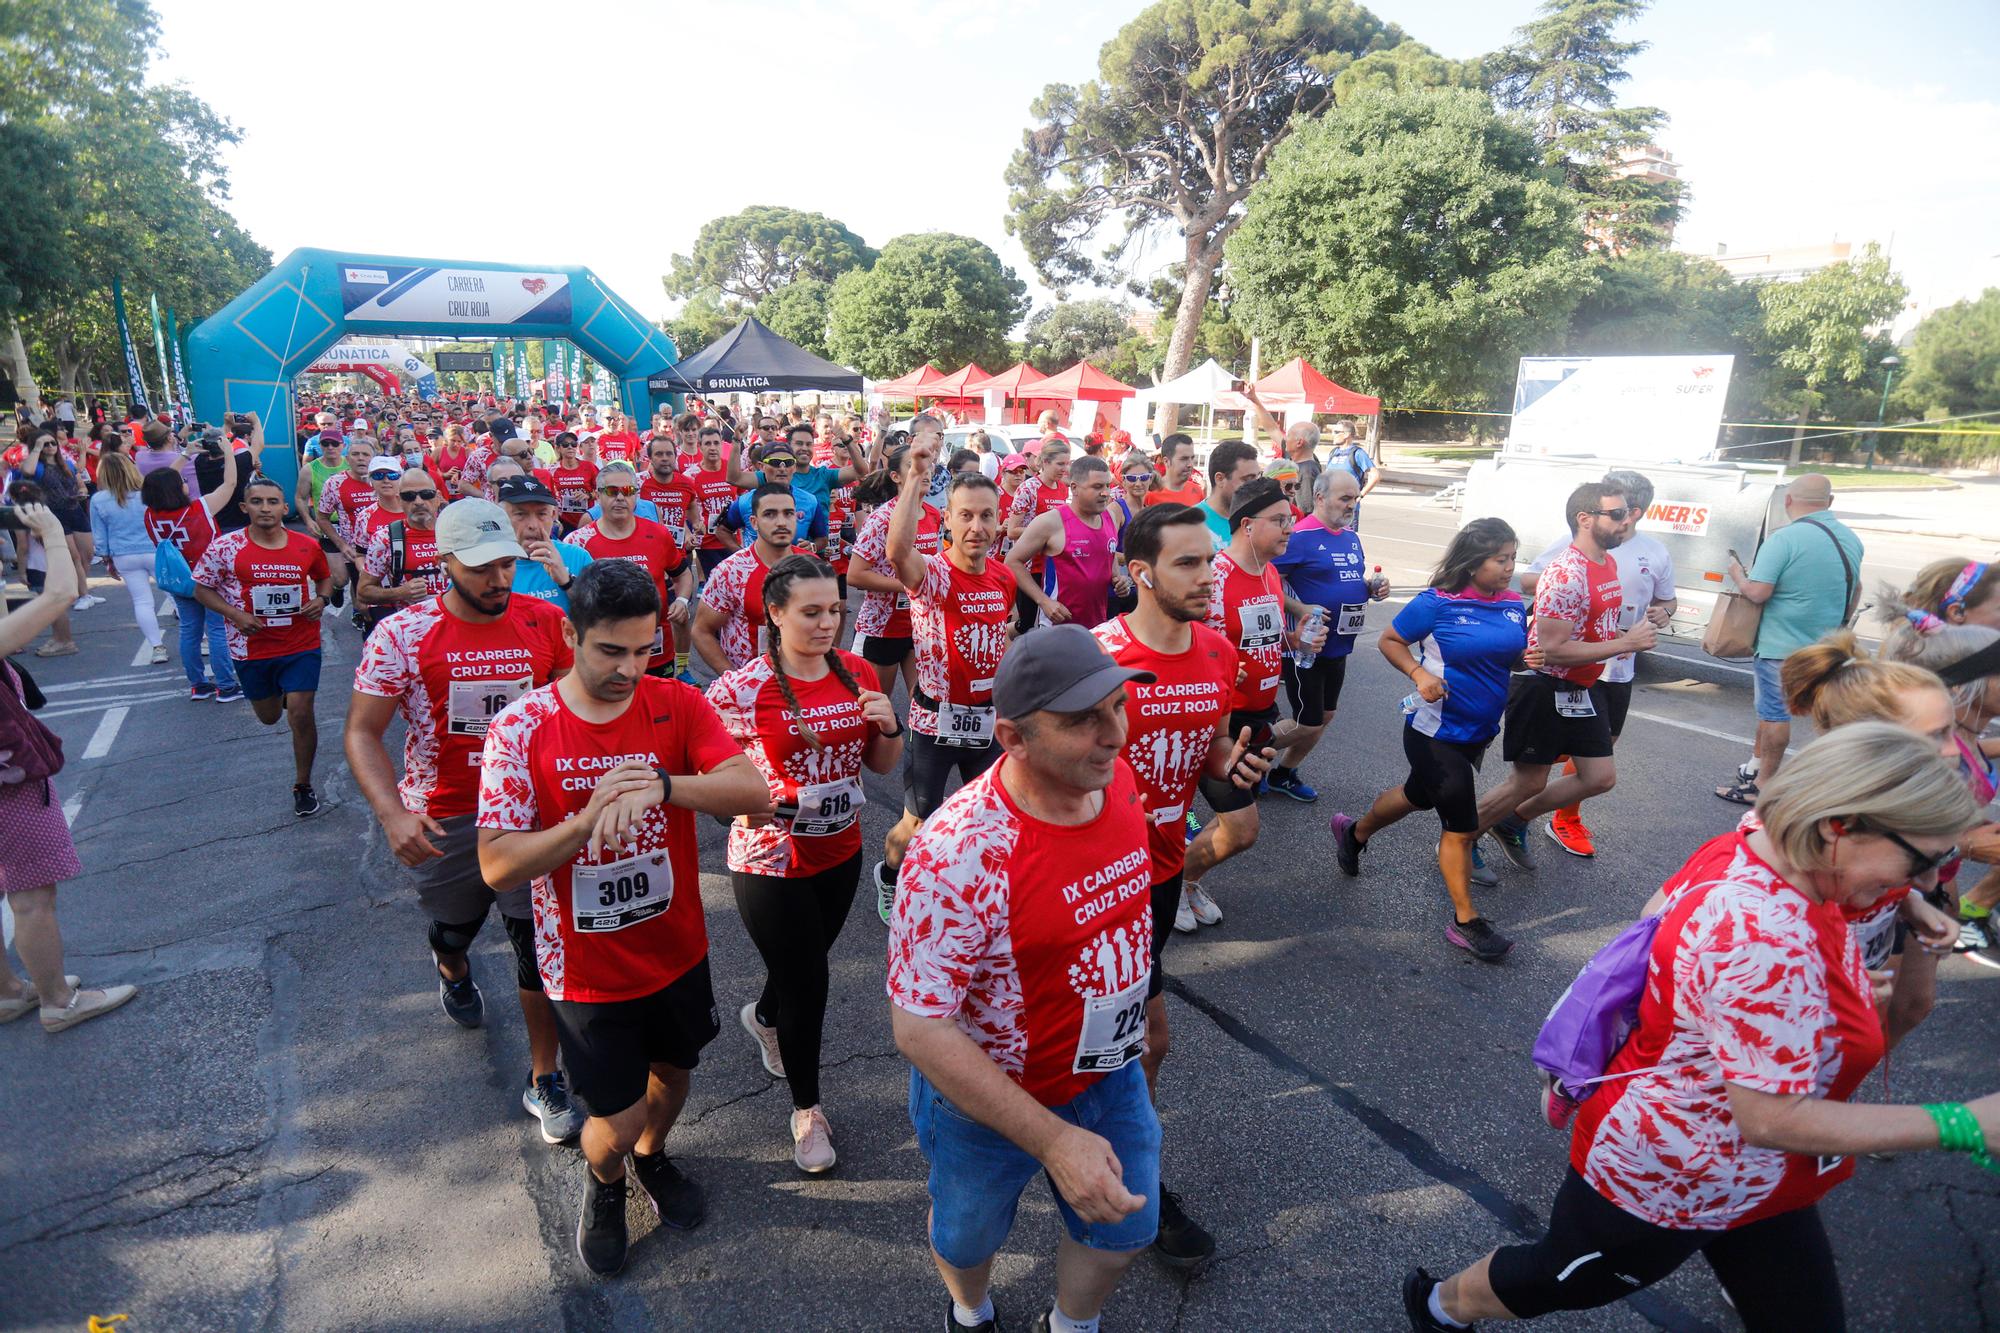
666, 785
892, 735
1959, 1131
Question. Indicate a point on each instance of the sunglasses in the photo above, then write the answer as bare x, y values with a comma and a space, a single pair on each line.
1921, 863
1292, 489
1138, 476
623, 491
418, 495
1615, 515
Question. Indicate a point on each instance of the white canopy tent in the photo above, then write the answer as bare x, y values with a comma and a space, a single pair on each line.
1202, 386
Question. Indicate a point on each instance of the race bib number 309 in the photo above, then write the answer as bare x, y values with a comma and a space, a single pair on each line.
623, 893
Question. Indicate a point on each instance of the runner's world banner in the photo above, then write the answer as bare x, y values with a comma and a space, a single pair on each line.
1644, 409
406, 295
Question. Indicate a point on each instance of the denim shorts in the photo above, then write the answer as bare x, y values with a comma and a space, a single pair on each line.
1770, 694
977, 1174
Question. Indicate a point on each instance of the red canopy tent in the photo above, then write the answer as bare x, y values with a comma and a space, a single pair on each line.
914, 385
1008, 381
1081, 381
957, 384
1297, 384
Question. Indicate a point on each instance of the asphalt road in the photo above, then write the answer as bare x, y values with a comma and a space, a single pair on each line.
283, 1131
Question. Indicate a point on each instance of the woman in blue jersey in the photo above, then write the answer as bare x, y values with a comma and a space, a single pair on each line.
1472, 629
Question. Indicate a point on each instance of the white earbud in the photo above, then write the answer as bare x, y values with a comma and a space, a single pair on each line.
1145, 578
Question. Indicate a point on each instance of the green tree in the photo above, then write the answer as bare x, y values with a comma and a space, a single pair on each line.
704, 317
934, 297
798, 310
1820, 330
1412, 245
1070, 331
749, 255
1952, 367
1408, 66
1561, 75
1191, 99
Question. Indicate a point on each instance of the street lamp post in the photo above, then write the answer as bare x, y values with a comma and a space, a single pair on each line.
1889, 363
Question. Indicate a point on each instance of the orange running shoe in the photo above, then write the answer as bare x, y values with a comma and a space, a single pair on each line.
1566, 827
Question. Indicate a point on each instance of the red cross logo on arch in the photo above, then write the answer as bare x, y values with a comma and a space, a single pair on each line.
534, 285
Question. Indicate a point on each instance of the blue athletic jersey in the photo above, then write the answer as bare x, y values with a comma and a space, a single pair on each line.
811, 521
1325, 568
1471, 643
531, 580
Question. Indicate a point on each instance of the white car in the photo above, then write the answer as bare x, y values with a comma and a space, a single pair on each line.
1005, 439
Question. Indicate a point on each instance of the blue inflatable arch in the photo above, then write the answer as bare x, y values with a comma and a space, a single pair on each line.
245, 357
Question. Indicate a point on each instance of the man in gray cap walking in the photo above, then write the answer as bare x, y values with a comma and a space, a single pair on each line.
1019, 955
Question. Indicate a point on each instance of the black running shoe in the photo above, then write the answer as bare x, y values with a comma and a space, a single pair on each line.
1346, 847
992, 1325
676, 1198
1417, 1304
305, 801
1511, 836
462, 1002
339, 595
1478, 938
1181, 1243
600, 1225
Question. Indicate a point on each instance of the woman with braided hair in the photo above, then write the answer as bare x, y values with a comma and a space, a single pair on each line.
802, 715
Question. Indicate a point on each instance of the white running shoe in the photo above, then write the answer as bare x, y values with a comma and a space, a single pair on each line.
766, 1039
28, 1001
1184, 921
1205, 910
812, 1142
85, 1005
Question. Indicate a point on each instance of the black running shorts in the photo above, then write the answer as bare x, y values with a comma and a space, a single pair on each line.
928, 765
609, 1049
1548, 717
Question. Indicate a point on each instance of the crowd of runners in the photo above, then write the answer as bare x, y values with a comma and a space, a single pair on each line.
1088, 661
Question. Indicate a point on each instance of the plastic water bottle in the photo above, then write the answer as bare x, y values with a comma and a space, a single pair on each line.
1305, 657
1412, 702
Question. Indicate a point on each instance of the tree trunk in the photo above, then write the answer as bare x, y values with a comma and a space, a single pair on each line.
1799, 436
17, 352
1201, 264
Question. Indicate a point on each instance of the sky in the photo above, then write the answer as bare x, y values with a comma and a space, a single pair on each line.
619, 127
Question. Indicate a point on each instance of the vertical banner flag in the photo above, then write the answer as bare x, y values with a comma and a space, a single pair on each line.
499, 369
521, 369
135, 378
575, 373
180, 374
602, 387
160, 350
554, 387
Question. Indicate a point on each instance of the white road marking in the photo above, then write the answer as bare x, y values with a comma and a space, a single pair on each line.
6, 924
144, 657
102, 704
166, 607
72, 808
1690, 726
100, 683
107, 732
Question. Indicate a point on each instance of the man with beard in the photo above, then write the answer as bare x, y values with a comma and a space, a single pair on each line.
401, 565
729, 626
450, 665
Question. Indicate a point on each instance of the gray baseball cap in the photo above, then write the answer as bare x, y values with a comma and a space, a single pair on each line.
477, 532
1061, 668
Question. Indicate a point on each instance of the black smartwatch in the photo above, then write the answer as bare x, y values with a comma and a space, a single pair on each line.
666, 785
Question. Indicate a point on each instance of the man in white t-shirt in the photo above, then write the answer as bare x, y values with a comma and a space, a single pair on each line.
1646, 579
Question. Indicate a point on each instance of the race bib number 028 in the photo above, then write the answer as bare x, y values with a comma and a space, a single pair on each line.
624, 893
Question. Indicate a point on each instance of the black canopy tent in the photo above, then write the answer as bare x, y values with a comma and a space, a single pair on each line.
752, 359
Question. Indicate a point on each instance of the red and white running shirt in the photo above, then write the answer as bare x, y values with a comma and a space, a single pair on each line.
1170, 725
653, 549
736, 588
1035, 499
1249, 610
714, 494
1588, 596
575, 489
959, 623
451, 678
1750, 983
1035, 938
483, 456
370, 519
823, 781
420, 558
672, 498
621, 444
886, 615
273, 585
190, 528
342, 499
628, 924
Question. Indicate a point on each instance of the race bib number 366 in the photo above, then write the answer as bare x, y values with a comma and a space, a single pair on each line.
623, 893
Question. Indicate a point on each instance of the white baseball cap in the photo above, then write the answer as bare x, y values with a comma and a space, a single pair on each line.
384, 465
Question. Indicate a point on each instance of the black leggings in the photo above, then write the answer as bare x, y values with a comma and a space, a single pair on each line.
794, 921
1778, 1272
